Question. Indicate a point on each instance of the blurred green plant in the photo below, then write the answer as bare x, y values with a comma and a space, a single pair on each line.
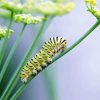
26, 19
2, 51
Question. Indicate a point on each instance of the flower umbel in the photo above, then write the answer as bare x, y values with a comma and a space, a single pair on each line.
53, 9
28, 19
12, 6
91, 6
48, 8
3, 32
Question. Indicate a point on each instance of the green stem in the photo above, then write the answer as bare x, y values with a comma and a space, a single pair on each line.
50, 85
11, 53
78, 41
5, 39
28, 54
20, 90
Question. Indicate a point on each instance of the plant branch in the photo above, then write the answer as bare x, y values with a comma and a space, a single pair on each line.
15, 77
50, 85
78, 41
20, 90
5, 39
18, 39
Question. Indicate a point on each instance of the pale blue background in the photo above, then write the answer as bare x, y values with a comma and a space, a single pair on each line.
76, 76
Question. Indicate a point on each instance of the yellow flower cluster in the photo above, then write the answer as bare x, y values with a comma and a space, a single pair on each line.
28, 19
12, 6
48, 7
92, 2
53, 9
91, 6
69, 6
3, 32
28, 6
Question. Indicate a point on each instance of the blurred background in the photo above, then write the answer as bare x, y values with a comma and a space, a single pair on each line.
76, 76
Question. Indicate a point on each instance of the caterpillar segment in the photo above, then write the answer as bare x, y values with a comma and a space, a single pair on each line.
46, 49
48, 45
31, 67
36, 64
45, 56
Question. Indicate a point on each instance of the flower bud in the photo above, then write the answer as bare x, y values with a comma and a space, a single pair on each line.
28, 19
91, 6
3, 32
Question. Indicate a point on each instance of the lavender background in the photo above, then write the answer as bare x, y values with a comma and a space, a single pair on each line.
76, 76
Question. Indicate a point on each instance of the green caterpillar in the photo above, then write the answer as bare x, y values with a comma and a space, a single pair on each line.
43, 58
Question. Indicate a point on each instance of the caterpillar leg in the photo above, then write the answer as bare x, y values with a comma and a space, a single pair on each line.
24, 80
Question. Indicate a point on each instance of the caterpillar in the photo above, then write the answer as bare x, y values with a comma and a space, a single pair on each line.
43, 58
